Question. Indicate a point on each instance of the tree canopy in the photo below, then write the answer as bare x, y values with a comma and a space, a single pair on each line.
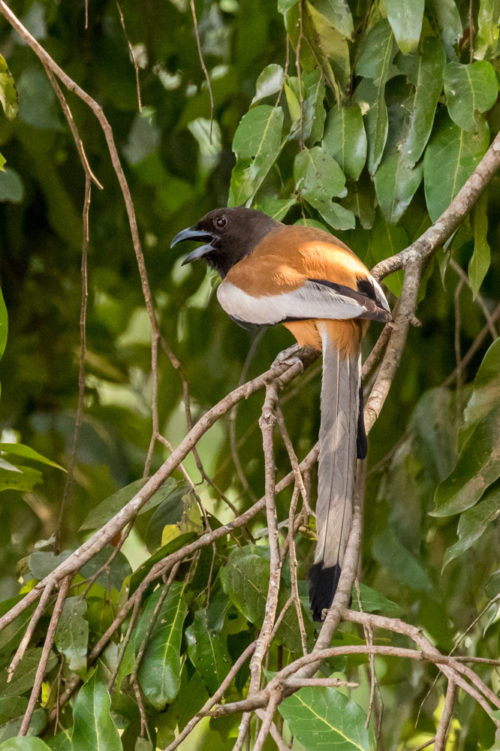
155, 458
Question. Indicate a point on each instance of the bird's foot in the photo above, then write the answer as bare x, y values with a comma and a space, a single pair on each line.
288, 357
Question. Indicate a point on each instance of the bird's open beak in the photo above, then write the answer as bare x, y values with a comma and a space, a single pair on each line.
192, 233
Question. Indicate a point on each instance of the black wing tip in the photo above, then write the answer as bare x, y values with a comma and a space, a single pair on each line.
323, 584
361, 439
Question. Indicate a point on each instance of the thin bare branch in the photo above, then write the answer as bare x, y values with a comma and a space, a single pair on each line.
44, 657
444, 722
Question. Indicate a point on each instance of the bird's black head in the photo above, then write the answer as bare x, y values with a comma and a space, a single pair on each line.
229, 236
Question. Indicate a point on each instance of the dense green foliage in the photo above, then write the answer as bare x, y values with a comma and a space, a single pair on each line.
391, 107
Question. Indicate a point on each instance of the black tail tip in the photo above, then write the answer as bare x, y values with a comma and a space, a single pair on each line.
323, 584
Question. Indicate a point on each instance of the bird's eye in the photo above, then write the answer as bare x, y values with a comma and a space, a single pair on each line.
220, 222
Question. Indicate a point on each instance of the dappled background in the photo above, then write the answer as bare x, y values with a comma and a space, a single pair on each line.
178, 154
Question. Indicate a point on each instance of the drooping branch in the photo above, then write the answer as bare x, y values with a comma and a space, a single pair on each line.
282, 372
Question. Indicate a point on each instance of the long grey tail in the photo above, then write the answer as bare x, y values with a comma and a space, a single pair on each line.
341, 439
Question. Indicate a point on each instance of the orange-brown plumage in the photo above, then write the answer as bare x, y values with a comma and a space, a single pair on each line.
345, 335
286, 258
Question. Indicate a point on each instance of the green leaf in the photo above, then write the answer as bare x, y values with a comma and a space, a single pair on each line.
42, 562
18, 449
24, 675
395, 186
323, 718
61, 741
345, 138
4, 325
361, 200
486, 392
72, 633
8, 93
207, 651
160, 669
313, 111
269, 82
387, 240
389, 552
292, 99
374, 602
434, 433
11, 186
276, 208
449, 160
377, 51
24, 744
12, 711
486, 39
113, 574
245, 579
372, 103
37, 101
481, 257
93, 723
110, 506
171, 547
256, 144
318, 178
338, 14
448, 21
469, 89
330, 45
3, 162
308, 120
18, 478
425, 71
474, 522
405, 17
478, 466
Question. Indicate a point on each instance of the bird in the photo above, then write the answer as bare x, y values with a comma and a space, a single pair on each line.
310, 282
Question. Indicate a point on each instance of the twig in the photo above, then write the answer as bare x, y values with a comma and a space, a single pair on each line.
471, 32
74, 130
213, 700
368, 631
294, 670
444, 722
479, 298
299, 480
23, 645
299, 73
293, 568
124, 644
266, 423
132, 57
140, 705
395, 345
202, 63
154, 617
459, 671
81, 365
495, 316
327, 682
233, 414
458, 354
274, 699
44, 657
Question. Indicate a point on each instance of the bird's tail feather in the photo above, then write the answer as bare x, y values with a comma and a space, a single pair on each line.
339, 445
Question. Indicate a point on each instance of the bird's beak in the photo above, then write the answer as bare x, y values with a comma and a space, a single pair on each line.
192, 233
